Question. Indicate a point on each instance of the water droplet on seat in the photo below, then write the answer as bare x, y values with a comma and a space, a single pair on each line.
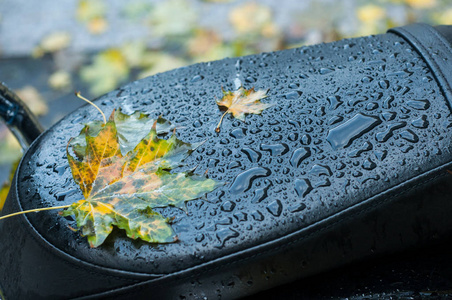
419, 104
385, 135
275, 150
319, 170
409, 136
299, 155
302, 187
238, 133
344, 134
244, 180
420, 122
275, 208
369, 164
253, 155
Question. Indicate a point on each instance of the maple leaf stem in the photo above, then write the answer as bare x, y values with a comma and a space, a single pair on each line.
97, 107
217, 129
33, 210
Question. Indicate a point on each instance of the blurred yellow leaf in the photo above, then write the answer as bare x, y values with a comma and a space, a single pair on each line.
444, 17
9, 146
172, 18
252, 18
33, 99
161, 62
52, 43
203, 42
108, 69
60, 80
92, 14
4, 189
422, 4
370, 13
135, 53
97, 25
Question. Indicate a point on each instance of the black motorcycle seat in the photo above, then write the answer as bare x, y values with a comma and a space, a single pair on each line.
350, 162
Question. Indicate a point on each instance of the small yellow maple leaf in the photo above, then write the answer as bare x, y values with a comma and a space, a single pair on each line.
241, 102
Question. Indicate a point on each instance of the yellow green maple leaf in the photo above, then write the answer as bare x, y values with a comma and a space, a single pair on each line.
122, 190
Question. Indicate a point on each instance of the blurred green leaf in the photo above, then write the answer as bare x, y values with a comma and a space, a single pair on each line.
136, 10
172, 18
108, 69
4, 189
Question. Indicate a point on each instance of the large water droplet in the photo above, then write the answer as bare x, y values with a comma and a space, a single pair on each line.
252, 155
324, 71
388, 115
334, 119
224, 235
419, 104
409, 136
275, 208
259, 195
344, 134
322, 183
367, 146
420, 122
306, 139
319, 170
381, 155
257, 215
385, 135
275, 150
388, 102
244, 180
369, 164
297, 207
228, 206
234, 164
241, 216
293, 95
302, 187
238, 133
334, 101
299, 155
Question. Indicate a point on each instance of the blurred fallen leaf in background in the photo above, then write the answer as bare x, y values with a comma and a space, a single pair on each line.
53, 42
135, 10
4, 189
10, 149
172, 18
160, 62
60, 80
33, 100
443, 17
92, 14
370, 13
253, 18
107, 70
422, 4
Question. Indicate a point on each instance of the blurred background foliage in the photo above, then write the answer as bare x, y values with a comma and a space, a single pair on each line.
50, 48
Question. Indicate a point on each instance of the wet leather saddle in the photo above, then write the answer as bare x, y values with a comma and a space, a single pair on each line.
349, 163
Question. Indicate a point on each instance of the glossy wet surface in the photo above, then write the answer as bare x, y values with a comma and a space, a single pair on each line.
341, 129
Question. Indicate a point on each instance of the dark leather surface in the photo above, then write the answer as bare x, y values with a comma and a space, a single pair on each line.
436, 48
355, 150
